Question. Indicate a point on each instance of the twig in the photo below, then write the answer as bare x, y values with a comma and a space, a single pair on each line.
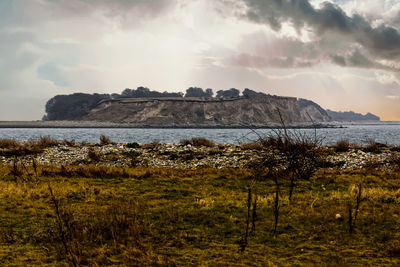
61, 230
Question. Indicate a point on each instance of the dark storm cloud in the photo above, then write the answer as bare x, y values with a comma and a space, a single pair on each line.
382, 41
338, 60
260, 62
359, 60
278, 53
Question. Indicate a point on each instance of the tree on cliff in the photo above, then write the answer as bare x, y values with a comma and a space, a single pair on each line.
233, 92
198, 92
142, 92
250, 93
72, 107
209, 92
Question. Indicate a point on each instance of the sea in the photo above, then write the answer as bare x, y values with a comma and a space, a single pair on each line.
358, 134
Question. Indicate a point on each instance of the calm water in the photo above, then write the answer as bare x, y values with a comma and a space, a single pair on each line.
389, 134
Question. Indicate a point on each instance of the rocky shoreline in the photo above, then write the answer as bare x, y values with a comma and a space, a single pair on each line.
99, 124
188, 156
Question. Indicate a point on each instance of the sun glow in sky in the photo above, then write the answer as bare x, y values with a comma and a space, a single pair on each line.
342, 54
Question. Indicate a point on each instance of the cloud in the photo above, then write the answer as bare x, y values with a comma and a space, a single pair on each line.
25, 13
54, 47
383, 40
350, 34
259, 62
393, 97
43, 43
338, 60
359, 60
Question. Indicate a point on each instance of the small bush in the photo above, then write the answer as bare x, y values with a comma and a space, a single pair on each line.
105, 140
215, 151
274, 141
8, 143
47, 141
152, 146
342, 146
202, 142
134, 157
133, 145
374, 147
198, 141
395, 149
69, 142
94, 155
173, 156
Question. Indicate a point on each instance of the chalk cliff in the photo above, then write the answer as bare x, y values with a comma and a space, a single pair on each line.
142, 107
207, 112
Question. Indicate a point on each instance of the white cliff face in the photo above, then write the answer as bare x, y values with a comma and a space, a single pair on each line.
192, 112
314, 113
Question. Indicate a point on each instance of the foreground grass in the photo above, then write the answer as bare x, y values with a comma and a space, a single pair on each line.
168, 217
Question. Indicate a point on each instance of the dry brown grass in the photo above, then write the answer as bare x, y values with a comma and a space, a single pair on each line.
11, 148
46, 141
252, 146
8, 143
169, 217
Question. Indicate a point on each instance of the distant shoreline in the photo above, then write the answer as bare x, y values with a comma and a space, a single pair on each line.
94, 124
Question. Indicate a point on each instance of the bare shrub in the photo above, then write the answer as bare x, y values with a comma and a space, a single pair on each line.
94, 155
133, 145
69, 142
342, 146
105, 140
8, 143
198, 141
296, 153
286, 154
152, 146
134, 158
47, 141
395, 149
373, 147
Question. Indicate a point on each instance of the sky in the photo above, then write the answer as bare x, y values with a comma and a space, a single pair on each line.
342, 54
